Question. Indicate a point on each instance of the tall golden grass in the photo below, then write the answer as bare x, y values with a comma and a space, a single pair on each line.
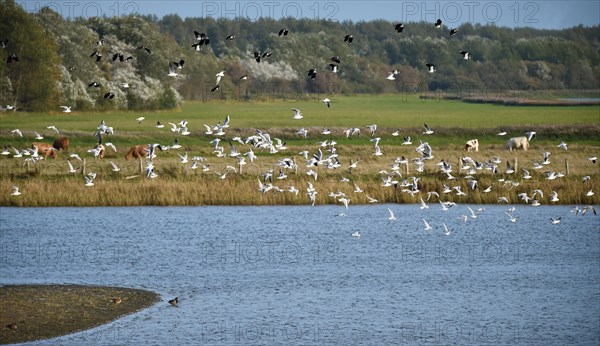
48, 183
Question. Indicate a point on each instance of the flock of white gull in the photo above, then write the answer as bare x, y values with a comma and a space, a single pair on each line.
324, 156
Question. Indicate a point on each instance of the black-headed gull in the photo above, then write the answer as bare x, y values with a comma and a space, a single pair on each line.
219, 75
428, 130
15, 191
114, 166
562, 144
392, 216
52, 127
427, 227
511, 217
172, 72
297, 114
446, 230
392, 75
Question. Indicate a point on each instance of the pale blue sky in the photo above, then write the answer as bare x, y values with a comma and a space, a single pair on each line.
547, 14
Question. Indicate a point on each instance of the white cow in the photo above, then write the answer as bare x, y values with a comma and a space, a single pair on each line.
473, 144
517, 143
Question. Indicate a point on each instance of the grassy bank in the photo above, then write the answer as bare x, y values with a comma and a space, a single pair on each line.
35, 312
48, 183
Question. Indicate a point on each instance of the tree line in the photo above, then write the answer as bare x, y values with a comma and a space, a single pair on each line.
57, 64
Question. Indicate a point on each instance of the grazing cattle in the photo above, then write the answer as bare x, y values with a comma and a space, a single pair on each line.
61, 143
137, 151
473, 144
45, 149
517, 143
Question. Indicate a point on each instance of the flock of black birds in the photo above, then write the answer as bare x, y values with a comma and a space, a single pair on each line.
203, 40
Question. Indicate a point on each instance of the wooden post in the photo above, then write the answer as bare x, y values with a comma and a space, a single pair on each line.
407, 163
567, 166
141, 166
516, 164
83, 167
295, 165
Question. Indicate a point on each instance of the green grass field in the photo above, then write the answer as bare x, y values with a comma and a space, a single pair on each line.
452, 120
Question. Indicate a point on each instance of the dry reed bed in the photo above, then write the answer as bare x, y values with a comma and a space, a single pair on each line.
49, 184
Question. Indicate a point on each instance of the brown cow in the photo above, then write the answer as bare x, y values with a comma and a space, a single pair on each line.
61, 143
137, 151
45, 149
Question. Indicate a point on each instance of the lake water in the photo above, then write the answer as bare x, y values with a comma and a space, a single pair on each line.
296, 275
581, 99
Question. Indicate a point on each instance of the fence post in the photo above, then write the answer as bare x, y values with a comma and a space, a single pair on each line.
83, 167
141, 165
567, 166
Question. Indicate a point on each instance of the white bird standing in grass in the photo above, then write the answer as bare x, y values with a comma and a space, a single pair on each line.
15, 191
